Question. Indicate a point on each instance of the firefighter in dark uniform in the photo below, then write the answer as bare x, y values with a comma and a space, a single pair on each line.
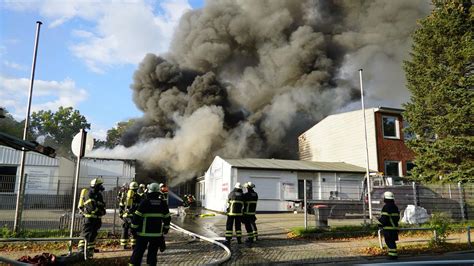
141, 190
92, 207
150, 223
235, 207
389, 222
121, 198
250, 208
164, 192
131, 202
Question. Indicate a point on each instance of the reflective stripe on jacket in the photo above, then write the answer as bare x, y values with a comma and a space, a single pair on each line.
389, 216
91, 204
235, 203
151, 217
250, 202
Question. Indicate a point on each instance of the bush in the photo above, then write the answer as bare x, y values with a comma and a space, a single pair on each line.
440, 222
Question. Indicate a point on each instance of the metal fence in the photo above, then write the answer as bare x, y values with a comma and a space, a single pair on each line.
348, 201
48, 201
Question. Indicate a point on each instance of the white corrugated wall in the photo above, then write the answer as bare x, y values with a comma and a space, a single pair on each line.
9, 156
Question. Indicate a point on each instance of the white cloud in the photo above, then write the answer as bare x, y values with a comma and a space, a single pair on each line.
47, 95
124, 32
14, 65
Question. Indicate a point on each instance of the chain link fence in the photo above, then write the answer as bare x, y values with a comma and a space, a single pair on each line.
48, 205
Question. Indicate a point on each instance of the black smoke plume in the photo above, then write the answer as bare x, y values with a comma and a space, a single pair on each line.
245, 78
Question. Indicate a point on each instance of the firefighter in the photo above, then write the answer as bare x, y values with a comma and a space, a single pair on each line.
121, 198
141, 190
250, 208
164, 192
92, 207
150, 223
235, 207
131, 202
388, 221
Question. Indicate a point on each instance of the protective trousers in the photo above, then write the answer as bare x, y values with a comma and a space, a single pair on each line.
90, 229
153, 243
126, 232
391, 236
229, 228
251, 226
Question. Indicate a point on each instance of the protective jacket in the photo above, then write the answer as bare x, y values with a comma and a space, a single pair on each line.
389, 217
91, 203
235, 203
250, 202
152, 218
131, 203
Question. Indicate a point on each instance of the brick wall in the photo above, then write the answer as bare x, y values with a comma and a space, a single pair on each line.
391, 149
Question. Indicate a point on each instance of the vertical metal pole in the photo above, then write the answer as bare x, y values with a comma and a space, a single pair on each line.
461, 201
449, 190
76, 179
369, 189
305, 206
115, 204
21, 185
415, 198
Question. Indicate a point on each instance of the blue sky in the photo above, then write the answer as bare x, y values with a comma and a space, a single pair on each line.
88, 51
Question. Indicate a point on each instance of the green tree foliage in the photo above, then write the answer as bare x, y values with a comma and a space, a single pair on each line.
440, 78
58, 128
115, 134
10, 126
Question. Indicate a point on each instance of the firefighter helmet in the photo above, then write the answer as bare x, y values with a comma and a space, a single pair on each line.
142, 186
163, 188
249, 185
96, 182
133, 185
388, 195
153, 187
238, 185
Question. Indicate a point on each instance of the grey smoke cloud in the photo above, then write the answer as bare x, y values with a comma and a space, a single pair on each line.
244, 78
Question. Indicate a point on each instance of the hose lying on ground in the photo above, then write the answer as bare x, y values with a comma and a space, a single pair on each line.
226, 249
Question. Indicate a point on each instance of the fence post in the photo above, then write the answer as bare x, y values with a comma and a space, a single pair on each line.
305, 206
461, 201
415, 194
115, 204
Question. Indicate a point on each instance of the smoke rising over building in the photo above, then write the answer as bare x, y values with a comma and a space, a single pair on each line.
244, 78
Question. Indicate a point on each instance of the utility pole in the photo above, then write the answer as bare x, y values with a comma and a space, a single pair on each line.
369, 185
21, 184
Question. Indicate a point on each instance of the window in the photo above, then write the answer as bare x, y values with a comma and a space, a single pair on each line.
7, 178
309, 189
390, 127
392, 168
410, 166
407, 135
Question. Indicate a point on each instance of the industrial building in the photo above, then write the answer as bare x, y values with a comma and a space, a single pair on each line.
279, 183
48, 178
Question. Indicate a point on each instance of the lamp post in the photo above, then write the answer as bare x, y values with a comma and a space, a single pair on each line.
21, 184
369, 188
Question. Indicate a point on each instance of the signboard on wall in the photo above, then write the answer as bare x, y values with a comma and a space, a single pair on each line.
37, 181
289, 192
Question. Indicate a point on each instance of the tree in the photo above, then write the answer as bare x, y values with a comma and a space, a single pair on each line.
59, 128
440, 78
115, 134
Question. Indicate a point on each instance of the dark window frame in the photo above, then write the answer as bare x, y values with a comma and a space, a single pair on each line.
396, 127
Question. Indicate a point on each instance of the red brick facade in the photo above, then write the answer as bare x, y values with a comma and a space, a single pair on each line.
389, 149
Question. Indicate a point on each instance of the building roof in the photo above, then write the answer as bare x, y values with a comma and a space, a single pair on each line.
295, 165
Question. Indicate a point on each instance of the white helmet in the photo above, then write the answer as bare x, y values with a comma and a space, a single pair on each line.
238, 185
249, 185
388, 195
